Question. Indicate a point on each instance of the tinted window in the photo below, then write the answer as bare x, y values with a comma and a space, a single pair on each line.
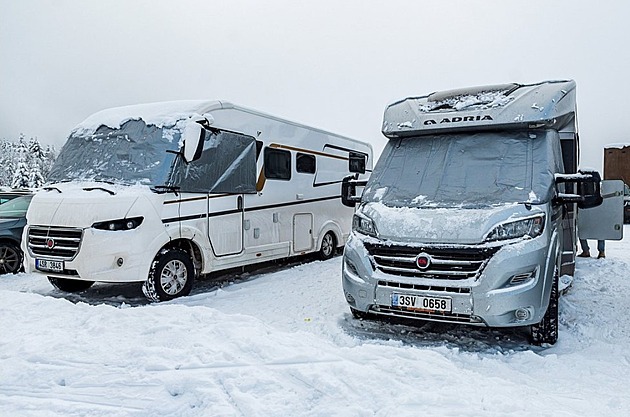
15, 208
277, 164
305, 163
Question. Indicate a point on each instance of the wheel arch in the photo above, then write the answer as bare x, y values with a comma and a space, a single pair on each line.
189, 246
330, 226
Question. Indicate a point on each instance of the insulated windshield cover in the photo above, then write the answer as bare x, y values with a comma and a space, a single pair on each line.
467, 169
134, 153
227, 165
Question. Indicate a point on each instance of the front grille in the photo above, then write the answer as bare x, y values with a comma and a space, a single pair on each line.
450, 263
54, 242
384, 310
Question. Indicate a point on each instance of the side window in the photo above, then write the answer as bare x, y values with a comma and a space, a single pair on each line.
277, 164
305, 163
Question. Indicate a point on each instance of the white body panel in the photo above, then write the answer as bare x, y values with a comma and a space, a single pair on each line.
283, 218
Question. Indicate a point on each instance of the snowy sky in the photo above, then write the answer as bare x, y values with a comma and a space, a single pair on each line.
330, 64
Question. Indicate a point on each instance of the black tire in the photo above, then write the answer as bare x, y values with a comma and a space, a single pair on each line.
10, 258
329, 245
547, 330
172, 274
70, 285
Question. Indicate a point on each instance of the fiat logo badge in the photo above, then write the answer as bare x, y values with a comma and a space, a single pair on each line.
50, 243
423, 261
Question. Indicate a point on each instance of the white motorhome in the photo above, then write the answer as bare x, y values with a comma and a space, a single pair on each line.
161, 193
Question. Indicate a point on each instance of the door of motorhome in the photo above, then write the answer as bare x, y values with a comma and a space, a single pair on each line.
161, 193
470, 213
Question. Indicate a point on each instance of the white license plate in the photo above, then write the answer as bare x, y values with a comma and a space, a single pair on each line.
417, 302
48, 265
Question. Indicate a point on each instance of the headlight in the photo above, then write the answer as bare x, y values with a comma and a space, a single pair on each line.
525, 228
121, 224
363, 224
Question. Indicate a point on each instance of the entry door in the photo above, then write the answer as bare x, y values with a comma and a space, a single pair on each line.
225, 224
302, 232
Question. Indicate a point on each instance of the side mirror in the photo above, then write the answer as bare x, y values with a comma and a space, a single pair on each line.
193, 137
588, 189
356, 162
349, 190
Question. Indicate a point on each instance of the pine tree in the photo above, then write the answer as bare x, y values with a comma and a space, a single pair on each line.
21, 174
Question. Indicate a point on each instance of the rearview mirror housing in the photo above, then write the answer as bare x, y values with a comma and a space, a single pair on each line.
193, 137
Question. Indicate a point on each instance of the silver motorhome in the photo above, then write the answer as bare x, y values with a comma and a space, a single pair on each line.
161, 193
470, 213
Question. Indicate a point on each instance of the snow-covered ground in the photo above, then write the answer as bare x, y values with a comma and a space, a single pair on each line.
282, 343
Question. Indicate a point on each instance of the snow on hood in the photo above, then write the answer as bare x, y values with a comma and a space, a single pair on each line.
81, 204
159, 114
439, 225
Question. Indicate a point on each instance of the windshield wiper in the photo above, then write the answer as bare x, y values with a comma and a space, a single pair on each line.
52, 189
161, 189
99, 188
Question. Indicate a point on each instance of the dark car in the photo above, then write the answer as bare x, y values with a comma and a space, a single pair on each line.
6, 196
12, 222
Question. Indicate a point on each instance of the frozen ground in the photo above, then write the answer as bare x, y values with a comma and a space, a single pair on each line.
282, 343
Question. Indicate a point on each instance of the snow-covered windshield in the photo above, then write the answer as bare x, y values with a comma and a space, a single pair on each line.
467, 169
135, 153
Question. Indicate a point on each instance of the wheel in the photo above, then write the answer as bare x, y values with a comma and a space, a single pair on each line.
547, 330
328, 247
172, 274
10, 259
70, 285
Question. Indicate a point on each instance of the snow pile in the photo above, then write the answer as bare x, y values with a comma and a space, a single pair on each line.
283, 343
159, 114
481, 100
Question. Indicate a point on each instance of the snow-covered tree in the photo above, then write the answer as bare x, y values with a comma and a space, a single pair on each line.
25, 164
21, 174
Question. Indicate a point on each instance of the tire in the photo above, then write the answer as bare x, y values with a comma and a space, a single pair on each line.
70, 285
172, 274
547, 330
10, 258
329, 244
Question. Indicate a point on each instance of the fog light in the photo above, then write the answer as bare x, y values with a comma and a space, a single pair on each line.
119, 261
522, 314
350, 298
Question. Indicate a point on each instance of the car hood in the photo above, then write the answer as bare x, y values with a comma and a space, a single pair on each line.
441, 225
82, 204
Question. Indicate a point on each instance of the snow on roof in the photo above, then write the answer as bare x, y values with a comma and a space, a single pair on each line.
480, 100
160, 114
617, 146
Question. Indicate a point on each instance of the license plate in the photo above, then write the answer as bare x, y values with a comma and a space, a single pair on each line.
417, 302
48, 265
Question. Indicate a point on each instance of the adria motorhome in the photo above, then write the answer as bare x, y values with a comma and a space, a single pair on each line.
470, 213
161, 193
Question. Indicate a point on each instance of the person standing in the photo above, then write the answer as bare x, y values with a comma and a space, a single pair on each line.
586, 253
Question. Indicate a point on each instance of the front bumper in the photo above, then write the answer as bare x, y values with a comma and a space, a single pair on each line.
120, 256
510, 288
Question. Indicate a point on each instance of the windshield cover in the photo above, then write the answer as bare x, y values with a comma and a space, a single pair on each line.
467, 169
134, 154
16, 208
